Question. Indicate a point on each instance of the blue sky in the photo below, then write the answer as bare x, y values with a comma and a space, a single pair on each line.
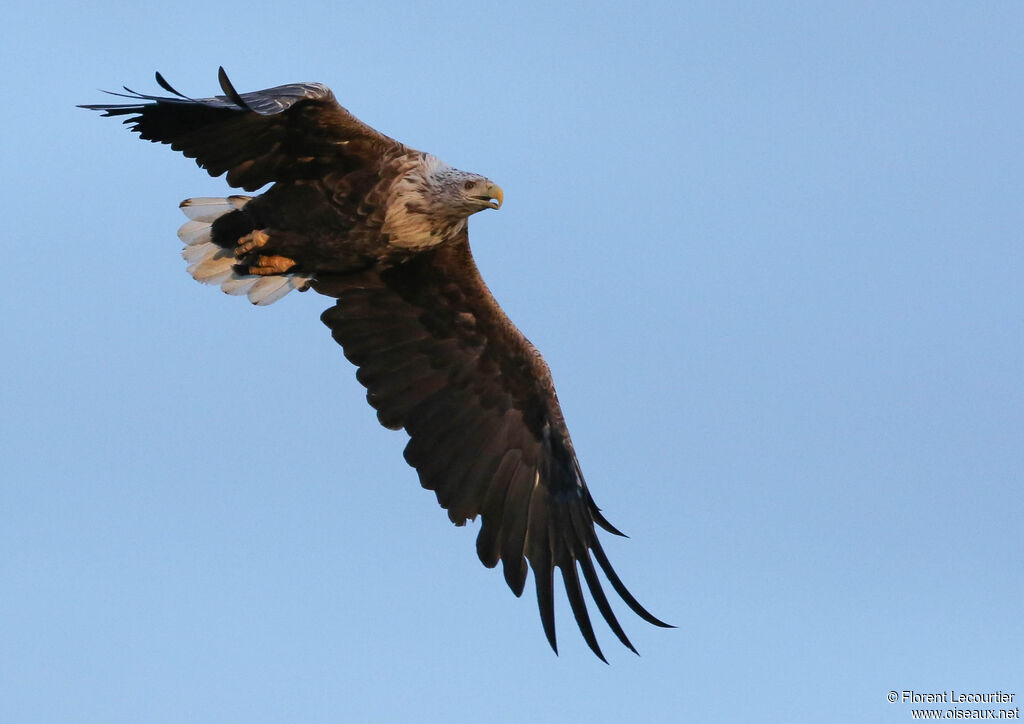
772, 253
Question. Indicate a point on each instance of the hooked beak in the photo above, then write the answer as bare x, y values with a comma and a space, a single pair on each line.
493, 197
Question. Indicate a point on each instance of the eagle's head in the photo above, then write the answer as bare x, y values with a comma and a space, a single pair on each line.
456, 193
478, 193
430, 202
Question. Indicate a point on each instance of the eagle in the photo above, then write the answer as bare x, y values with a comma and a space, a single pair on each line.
382, 228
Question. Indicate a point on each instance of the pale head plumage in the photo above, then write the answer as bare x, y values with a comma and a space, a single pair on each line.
430, 202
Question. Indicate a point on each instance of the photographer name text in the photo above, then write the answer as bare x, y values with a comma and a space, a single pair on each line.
955, 697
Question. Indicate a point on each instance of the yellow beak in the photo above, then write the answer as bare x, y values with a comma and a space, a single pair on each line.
496, 194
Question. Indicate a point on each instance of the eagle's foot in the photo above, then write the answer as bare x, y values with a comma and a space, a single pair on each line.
255, 239
267, 265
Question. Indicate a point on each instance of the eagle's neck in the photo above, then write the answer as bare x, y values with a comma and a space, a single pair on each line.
419, 214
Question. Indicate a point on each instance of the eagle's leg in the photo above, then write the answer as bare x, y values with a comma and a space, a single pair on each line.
259, 265
255, 239
266, 265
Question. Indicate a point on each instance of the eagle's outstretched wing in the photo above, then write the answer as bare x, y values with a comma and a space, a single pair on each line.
440, 358
278, 134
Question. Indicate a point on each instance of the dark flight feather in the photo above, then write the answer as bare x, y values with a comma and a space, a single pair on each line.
494, 476
257, 137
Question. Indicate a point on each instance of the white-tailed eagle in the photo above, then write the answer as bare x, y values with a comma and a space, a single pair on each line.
357, 216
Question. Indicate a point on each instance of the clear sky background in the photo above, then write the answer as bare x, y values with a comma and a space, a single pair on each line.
772, 252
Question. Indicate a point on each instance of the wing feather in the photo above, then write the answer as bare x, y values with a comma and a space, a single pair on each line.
468, 491
544, 577
285, 133
514, 527
439, 358
579, 606
488, 543
597, 593
621, 589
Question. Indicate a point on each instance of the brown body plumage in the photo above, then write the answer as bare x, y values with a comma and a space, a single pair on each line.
382, 228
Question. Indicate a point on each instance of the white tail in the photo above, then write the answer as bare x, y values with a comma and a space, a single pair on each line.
212, 264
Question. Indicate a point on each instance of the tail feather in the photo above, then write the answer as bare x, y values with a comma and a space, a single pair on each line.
209, 209
210, 263
195, 232
265, 290
214, 266
269, 289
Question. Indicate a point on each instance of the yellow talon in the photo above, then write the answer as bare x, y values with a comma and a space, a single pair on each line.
267, 265
251, 241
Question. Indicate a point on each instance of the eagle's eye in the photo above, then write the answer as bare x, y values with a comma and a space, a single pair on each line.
468, 185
